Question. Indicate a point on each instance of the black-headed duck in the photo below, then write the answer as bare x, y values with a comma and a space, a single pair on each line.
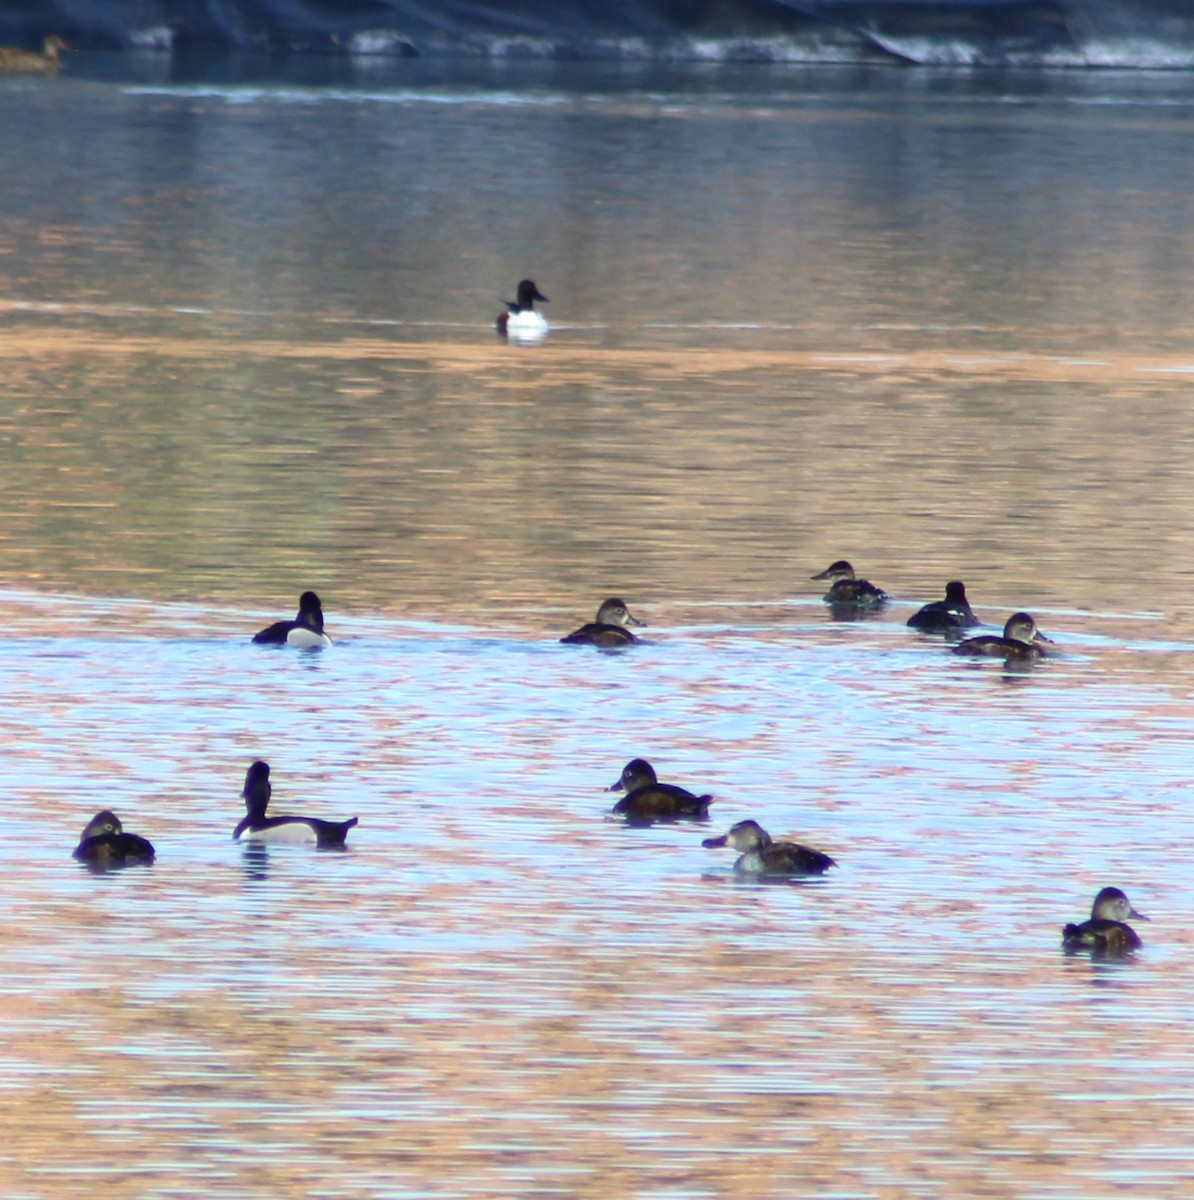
105, 844
13, 58
609, 629
848, 592
1021, 639
257, 827
648, 800
1107, 931
761, 856
305, 631
520, 321
948, 615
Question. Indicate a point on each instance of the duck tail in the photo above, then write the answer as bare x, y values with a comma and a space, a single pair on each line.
333, 833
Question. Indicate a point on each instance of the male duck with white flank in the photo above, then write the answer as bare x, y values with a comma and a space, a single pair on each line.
609, 629
648, 800
1021, 640
520, 321
257, 827
13, 58
761, 856
848, 592
105, 844
948, 615
1107, 931
305, 631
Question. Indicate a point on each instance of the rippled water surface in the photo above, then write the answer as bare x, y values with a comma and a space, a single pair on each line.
937, 324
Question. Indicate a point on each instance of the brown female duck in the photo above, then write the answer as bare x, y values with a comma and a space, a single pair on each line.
1021, 640
1107, 931
13, 58
104, 843
847, 591
609, 629
761, 856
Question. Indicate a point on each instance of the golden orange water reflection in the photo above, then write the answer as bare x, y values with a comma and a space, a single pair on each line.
449, 476
969, 363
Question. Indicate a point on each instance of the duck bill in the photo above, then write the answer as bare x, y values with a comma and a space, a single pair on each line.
1137, 916
1040, 637
616, 786
823, 575
635, 621
714, 842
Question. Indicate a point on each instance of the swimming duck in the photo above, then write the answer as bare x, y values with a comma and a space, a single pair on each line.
12, 58
1020, 640
762, 856
648, 800
945, 616
520, 321
609, 629
105, 844
848, 591
305, 631
1107, 930
257, 827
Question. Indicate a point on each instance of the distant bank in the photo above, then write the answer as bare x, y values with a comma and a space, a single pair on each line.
1139, 34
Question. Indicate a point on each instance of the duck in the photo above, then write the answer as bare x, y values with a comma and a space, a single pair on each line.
257, 827
520, 321
305, 631
104, 843
846, 590
1107, 930
648, 800
609, 629
1021, 639
13, 58
948, 615
761, 856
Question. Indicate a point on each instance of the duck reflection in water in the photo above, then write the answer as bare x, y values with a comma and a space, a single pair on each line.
1107, 933
647, 800
256, 860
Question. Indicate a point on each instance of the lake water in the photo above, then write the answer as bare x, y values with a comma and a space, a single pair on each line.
935, 323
